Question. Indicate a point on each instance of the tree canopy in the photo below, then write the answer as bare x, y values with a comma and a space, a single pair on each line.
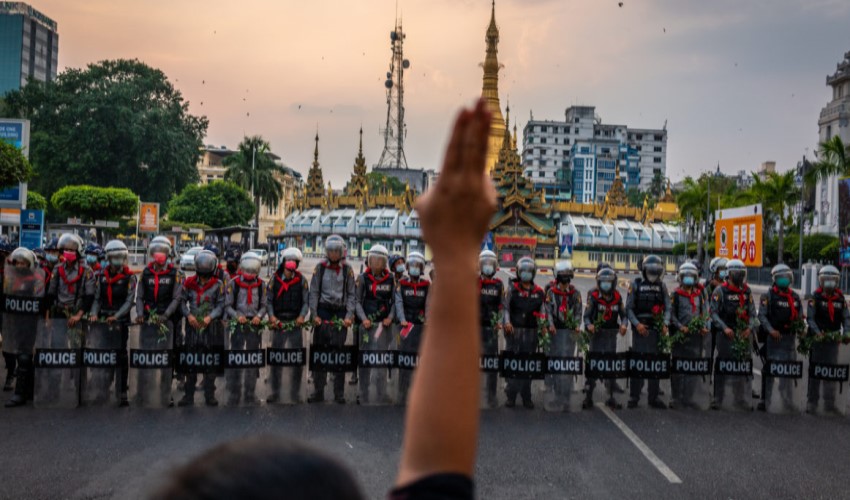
14, 166
217, 204
96, 203
115, 123
376, 183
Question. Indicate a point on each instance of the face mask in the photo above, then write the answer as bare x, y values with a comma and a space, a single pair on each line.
160, 258
783, 282
830, 285
688, 281
248, 276
52, 258
737, 279
563, 279
723, 274
117, 262
488, 270
414, 272
291, 265
526, 276
70, 256
91, 259
399, 269
605, 286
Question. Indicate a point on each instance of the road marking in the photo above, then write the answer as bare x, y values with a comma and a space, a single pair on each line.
640, 445
757, 371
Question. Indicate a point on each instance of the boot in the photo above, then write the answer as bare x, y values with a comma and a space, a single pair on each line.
10, 382
16, 400
187, 400
317, 397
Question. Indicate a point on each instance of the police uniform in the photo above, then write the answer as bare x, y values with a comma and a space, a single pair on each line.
491, 293
523, 306
244, 298
560, 305
201, 300
376, 302
777, 311
287, 300
826, 313
642, 307
725, 302
684, 307
114, 294
411, 302
603, 340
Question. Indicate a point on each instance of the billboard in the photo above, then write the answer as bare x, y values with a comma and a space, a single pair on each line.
738, 234
844, 221
16, 133
32, 228
148, 217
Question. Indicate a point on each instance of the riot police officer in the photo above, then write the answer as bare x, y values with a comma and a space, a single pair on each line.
605, 308
411, 302
686, 303
827, 312
94, 253
779, 309
72, 286
375, 304
731, 305
523, 306
563, 311
491, 292
287, 300
648, 310
113, 299
245, 303
332, 297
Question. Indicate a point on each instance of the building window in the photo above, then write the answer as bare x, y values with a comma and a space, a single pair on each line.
659, 137
656, 160
543, 140
639, 137
657, 149
576, 129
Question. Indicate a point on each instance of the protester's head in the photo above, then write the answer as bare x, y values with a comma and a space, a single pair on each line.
487, 263
377, 259
262, 468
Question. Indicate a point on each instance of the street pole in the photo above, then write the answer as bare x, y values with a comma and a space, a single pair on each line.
707, 213
800, 222
257, 216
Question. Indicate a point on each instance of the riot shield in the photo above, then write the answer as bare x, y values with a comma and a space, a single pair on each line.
200, 361
781, 376
690, 373
151, 364
648, 367
562, 369
58, 353
333, 353
733, 372
244, 359
377, 375
23, 319
287, 359
606, 361
522, 364
829, 364
101, 380
491, 396
409, 342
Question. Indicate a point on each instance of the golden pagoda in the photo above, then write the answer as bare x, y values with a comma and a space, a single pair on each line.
315, 180
490, 90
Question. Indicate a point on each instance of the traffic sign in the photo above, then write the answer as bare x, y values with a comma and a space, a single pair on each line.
745, 225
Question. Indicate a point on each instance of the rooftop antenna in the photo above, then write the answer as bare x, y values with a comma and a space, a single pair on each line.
395, 130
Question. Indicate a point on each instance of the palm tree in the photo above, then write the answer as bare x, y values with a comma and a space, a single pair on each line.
833, 159
253, 169
777, 192
691, 201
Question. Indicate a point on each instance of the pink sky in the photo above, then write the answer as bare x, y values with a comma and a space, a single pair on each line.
732, 82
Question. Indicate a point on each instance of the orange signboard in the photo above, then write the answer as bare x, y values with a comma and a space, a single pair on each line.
148, 217
738, 234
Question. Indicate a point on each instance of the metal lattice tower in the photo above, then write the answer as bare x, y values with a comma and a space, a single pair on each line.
395, 130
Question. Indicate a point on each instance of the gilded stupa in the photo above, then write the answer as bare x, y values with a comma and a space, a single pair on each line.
490, 91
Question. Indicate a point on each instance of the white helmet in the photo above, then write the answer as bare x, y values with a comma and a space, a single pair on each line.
737, 272
564, 272
160, 244
828, 277
415, 260
487, 263
378, 252
292, 253
250, 263
688, 269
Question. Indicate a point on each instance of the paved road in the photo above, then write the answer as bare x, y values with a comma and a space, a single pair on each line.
124, 453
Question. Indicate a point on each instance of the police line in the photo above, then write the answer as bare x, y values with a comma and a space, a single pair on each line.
337, 359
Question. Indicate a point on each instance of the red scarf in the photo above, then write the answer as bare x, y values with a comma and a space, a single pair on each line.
609, 305
123, 273
690, 296
415, 285
156, 276
335, 267
830, 300
565, 295
375, 281
284, 285
742, 299
191, 283
525, 293
71, 284
486, 281
789, 296
248, 286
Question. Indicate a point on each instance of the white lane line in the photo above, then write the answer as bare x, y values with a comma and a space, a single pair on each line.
640, 445
757, 371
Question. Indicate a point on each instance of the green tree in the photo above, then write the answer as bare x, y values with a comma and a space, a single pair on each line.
658, 186
96, 203
378, 181
14, 166
253, 169
776, 192
115, 123
217, 204
35, 201
833, 159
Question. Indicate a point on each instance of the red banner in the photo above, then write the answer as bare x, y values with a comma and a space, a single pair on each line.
516, 240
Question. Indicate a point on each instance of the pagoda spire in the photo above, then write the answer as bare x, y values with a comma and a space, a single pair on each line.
315, 180
490, 90
357, 186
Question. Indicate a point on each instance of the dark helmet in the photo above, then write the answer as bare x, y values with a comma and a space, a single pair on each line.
94, 249
233, 254
602, 265
39, 252
53, 244
334, 243
606, 275
652, 268
212, 247
205, 263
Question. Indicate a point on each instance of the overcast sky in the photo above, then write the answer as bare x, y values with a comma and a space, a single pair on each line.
738, 81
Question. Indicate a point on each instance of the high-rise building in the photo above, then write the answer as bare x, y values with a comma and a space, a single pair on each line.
584, 150
29, 46
834, 121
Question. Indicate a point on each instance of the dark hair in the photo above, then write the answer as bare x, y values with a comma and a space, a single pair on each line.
260, 468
